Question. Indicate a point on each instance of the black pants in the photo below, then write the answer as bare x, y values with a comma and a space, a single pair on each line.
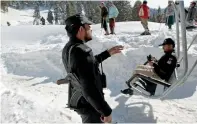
150, 87
104, 24
89, 115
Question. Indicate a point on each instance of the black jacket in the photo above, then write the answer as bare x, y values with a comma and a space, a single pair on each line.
86, 67
191, 13
165, 66
104, 12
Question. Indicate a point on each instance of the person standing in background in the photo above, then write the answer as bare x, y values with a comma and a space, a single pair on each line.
113, 13
50, 17
169, 14
144, 14
104, 14
191, 13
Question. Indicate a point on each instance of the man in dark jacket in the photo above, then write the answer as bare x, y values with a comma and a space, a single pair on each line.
42, 20
50, 17
92, 107
167, 63
164, 67
104, 14
191, 13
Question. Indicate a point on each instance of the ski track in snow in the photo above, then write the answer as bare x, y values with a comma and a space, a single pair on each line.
31, 64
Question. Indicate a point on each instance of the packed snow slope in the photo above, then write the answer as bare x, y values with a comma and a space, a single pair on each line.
31, 63
20, 17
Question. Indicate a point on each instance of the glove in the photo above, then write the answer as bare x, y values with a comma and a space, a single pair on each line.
149, 58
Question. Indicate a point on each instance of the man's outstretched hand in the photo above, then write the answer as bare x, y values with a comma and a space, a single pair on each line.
115, 50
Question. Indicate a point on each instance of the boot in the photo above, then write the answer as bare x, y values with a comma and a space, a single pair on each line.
127, 91
106, 32
112, 30
147, 32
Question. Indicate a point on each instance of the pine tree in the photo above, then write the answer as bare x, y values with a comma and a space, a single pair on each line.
92, 10
159, 15
97, 18
78, 7
135, 10
125, 10
153, 18
70, 8
4, 6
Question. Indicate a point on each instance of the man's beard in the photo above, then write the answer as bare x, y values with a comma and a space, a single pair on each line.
88, 38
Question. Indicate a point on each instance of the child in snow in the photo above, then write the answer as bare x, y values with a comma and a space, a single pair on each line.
42, 20
169, 13
113, 13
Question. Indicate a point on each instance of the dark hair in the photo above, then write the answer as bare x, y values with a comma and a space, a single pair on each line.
145, 2
72, 30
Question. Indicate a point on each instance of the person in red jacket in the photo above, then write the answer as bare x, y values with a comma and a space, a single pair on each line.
144, 14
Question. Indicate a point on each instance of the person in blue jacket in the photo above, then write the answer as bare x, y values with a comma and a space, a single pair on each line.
113, 13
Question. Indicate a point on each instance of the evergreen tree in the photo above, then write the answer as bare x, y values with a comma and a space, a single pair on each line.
78, 7
4, 6
70, 8
153, 18
125, 10
159, 14
135, 16
97, 15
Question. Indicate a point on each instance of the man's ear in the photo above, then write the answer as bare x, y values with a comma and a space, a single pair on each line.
80, 29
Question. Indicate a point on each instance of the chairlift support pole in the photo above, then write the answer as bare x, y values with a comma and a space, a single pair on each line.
177, 29
184, 47
184, 40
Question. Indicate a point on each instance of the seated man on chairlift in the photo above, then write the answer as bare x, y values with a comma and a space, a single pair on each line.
162, 68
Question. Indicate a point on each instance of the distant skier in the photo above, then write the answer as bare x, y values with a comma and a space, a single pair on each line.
8, 23
191, 13
42, 20
144, 14
104, 14
113, 13
50, 17
169, 14
36, 16
57, 14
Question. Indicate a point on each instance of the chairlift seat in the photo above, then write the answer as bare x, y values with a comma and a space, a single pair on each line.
132, 82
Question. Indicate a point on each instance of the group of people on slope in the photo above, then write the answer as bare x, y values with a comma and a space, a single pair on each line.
108, 14
169, 15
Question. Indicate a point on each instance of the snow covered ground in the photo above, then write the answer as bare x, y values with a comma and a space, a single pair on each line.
31, 63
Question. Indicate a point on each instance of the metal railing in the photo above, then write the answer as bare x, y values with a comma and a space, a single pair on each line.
177, 30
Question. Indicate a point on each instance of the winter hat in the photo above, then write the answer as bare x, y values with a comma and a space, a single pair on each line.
145, 2
168, 41
194, 3
74, 22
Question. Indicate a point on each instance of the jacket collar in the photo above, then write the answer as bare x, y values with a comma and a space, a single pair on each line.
75, 40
